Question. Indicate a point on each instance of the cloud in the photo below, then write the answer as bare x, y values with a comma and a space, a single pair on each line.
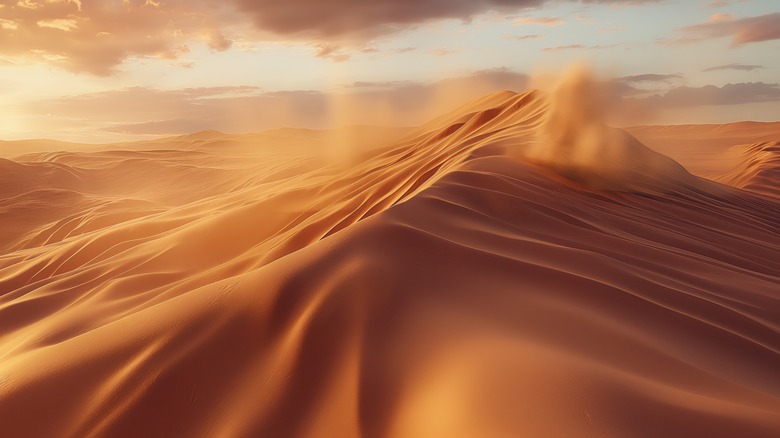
544, 21
642, 85
130, 102
716, 18
333, 52
97, 36
633, 101
152, 111
650, 77
360, 18
63, 24
567, 47
741, 31
525, 37
329, 19
8, 24
729, 94
742, 67
217, 41
442, 51
578, 47
160, 127
380, 84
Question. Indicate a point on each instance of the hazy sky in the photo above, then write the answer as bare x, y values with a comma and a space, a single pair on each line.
109, 70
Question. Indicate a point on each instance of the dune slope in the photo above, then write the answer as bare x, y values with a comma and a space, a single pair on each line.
744, 154
454, 282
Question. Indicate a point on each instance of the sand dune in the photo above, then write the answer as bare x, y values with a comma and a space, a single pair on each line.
458, 279
743, 155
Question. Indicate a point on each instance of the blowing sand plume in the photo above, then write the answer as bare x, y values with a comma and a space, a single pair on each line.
575, 140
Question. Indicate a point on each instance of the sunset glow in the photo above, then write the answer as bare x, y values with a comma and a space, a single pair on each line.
174, 67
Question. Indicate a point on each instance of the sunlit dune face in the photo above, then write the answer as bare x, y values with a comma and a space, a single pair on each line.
505, 267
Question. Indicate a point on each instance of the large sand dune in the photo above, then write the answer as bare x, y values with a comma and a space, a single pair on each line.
510, 269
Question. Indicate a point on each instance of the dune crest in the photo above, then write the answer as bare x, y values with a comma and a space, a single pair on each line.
470, 277
759, 169
744, 155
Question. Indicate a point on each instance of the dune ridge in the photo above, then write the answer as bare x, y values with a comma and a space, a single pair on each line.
758, 168
452, 281
732, 154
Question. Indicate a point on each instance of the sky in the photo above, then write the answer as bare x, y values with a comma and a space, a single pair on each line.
115, 70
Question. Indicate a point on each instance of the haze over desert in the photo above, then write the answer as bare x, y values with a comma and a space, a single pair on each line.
517, 218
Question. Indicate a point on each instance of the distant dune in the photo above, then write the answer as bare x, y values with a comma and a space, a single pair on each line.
509, 269
744, 155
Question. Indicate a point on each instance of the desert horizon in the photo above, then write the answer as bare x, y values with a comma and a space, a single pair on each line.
396, 219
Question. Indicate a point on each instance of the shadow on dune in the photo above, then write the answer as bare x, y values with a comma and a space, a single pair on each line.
495, 272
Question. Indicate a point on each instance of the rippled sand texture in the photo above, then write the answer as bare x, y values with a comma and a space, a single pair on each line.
458, 280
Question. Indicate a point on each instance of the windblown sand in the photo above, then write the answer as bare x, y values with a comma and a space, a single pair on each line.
506, 270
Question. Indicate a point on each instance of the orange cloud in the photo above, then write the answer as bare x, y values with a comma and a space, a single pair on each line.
652, 77
729, 94
333, 52
63, 24
741, 67
97, 36
742, 31
714, 18
345, 19
525, 37
544, 21
151, 111
578, 47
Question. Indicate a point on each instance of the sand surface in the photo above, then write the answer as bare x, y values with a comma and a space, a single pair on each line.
508, 269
